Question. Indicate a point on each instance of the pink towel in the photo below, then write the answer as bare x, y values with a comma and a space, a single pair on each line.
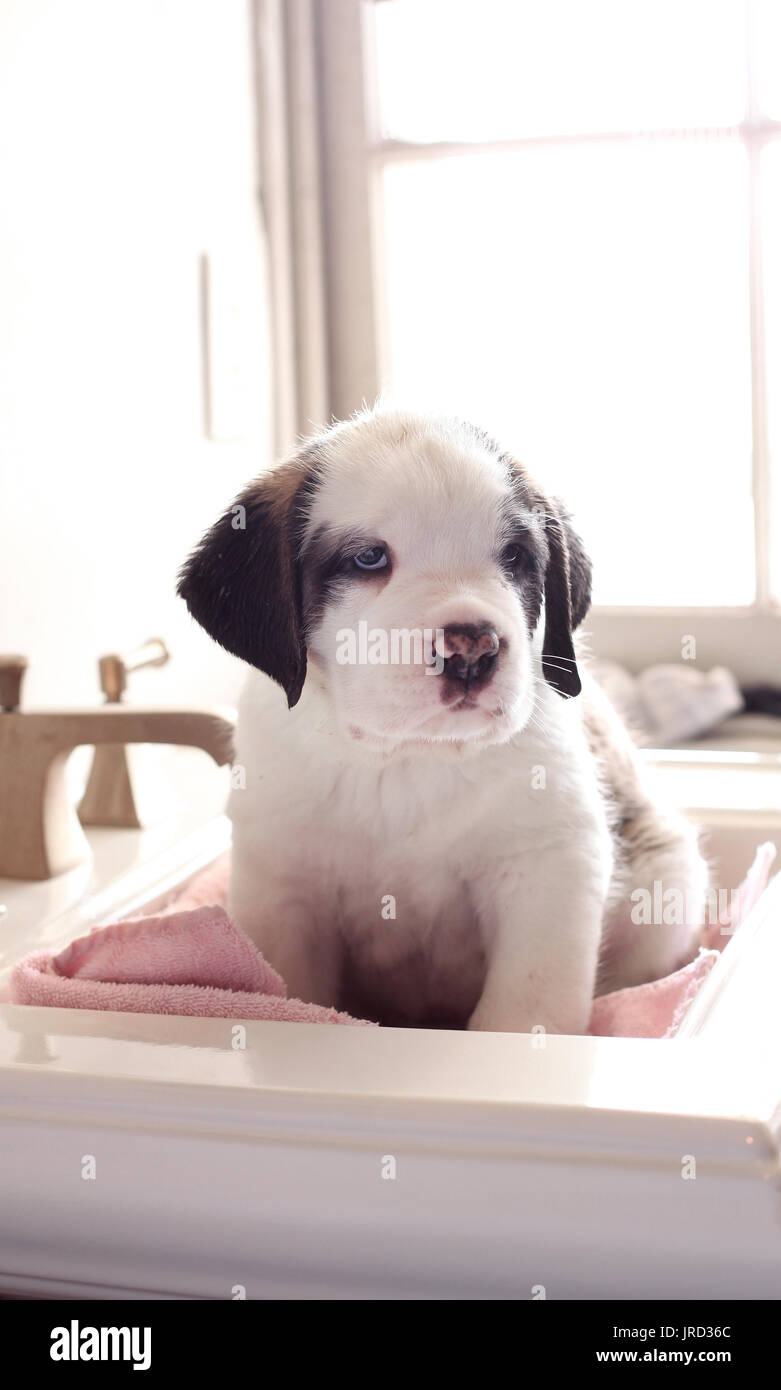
191, 959
183, 962
656, 1010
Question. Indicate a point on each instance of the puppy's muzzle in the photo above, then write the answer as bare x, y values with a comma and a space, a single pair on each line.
471, 652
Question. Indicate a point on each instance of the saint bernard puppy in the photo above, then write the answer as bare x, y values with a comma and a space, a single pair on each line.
443, 820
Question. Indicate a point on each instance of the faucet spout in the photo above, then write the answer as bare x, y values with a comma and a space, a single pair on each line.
40, 833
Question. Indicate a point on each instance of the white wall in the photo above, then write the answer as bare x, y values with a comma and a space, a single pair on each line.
126, 152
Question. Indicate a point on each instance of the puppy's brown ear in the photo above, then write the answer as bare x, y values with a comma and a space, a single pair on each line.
243, 582
567, 600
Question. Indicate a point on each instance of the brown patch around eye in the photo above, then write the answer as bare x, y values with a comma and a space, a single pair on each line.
567, 581
525, 554
327, 567
313, 583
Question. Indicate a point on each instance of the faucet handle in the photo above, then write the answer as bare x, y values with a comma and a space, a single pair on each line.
114, 670
12, 669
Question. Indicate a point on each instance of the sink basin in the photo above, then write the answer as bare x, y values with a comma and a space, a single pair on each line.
312, 1161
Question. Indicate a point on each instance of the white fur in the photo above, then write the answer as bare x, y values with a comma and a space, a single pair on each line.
420, 858
433, 493
371, 789
475, 858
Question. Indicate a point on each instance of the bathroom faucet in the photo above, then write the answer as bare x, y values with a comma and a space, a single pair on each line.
40, 833
111, 796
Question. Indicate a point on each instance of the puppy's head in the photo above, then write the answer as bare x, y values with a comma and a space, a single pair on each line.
418, 568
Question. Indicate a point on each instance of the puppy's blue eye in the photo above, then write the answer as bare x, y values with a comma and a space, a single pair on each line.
375, 558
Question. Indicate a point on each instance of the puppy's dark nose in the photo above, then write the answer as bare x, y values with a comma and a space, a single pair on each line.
471, 652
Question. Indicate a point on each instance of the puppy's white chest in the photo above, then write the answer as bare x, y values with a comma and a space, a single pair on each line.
412, 948
394, 882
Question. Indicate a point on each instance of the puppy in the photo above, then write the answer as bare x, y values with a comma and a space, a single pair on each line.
444, 831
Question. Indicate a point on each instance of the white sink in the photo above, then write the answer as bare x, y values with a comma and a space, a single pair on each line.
264, 1168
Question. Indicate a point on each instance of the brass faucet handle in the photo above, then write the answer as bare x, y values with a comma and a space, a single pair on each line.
12, 669
114, 670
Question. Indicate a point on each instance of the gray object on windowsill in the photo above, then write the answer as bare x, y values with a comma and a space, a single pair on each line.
668, 704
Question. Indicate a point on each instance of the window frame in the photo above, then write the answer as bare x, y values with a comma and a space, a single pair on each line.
354, 153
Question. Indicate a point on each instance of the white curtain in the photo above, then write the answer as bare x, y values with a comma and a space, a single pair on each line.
289, 143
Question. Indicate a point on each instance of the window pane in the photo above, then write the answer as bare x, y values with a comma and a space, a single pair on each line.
483, 69
768, 57
588, 305
771, 208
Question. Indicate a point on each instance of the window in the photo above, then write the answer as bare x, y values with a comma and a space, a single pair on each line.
574, 238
